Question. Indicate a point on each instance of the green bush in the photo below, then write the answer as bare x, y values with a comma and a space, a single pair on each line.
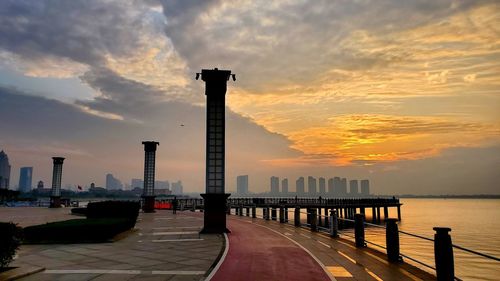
10, 239
113, 209
77, 230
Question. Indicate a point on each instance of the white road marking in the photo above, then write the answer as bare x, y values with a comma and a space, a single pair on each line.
178, 272
324, 244
91, 271
175, 227
307, 236
214, 270
174, 233
176, 240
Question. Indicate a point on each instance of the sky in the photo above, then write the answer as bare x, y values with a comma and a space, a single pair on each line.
403, 93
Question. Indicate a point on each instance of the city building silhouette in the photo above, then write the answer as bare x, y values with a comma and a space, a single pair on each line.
322, 186
4, 170
25, 179
242, 185
284, 187
299, 186
311, 186
353, 188
275, 185
365, 187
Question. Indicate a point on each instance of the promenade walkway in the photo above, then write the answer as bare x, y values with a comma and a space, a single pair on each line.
337, 256
163, 247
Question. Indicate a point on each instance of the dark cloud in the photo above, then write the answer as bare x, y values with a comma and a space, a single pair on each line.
39, 127
83, 31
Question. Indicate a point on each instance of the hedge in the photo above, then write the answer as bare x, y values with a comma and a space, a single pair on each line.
10, 239
77, 230
113, 209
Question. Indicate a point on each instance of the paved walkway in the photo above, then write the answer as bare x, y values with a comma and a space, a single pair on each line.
164, 247
257, 253
339, 256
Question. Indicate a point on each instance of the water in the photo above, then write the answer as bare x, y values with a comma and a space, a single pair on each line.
475, 225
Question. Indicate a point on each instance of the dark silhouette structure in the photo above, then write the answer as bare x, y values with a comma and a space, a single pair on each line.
215, 196
148, 194
55, 195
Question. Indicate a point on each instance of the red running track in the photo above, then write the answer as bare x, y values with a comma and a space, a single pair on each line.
257, 253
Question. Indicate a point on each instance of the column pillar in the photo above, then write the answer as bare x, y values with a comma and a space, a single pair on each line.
215, 197
148, 193
55, 195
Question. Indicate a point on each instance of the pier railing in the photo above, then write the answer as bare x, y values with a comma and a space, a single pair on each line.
334, 225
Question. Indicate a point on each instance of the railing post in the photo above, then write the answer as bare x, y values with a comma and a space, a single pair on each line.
254, 213
267, 214
286, 214
334, 224
359, 230
443, 254
314, 220
399, 212
248, 212
240, 209
327, 219
392, 240
296, 217
282, 214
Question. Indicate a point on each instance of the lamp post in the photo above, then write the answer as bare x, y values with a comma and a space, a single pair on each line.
215, 196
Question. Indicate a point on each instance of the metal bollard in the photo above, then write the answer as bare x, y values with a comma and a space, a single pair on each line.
443, 254
392, 240
296, 216
314, 218
359, 230
334, 224
254, 213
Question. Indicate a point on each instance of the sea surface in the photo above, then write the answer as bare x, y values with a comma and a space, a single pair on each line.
474, 223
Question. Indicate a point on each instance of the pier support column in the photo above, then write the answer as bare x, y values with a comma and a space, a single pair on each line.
268, 213
273, 213
327, 219
392, 240
359, 230
286, 214
282, 214
296, 216
386, 213
374, 215
148, 193
248, 212
320, 223
314, 222
443, 254
399, 212
334, 224
378, 214
254, 213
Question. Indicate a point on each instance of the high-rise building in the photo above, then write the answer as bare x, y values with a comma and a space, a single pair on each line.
299, 186
275, 185
177, 188
284, 186
136, 183
25, 179
353, 188
331, 190
242, 185
343, 187
365, 188
162, 185
322, 185
311, 186
113, 183
337, 182
4, 170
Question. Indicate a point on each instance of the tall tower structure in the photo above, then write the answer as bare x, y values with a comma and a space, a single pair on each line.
322, 186
55, 195
365, 187
311, 185
299, 186
148, 193
242, 185
215, 197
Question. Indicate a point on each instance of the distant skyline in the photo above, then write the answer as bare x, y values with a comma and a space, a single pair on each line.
404, 93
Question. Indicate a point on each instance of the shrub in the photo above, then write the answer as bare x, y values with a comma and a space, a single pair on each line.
79, 211
77, 230
114, 209
10, 239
